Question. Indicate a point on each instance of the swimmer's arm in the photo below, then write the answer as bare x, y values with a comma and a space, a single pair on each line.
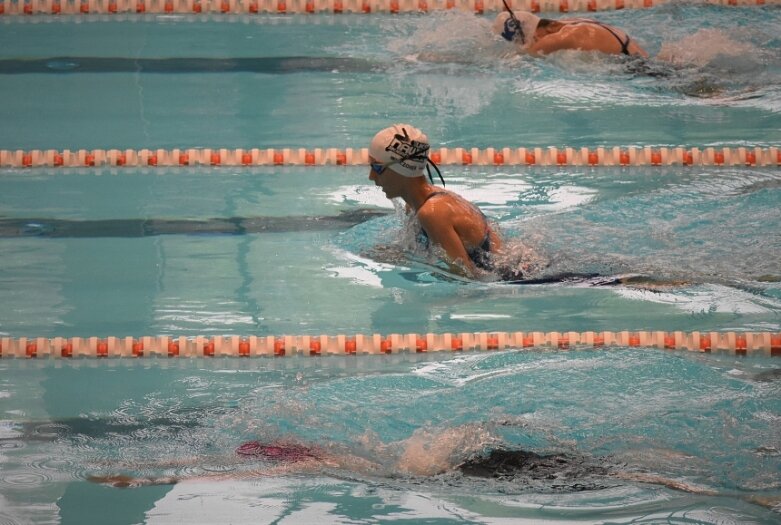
441, 232
125, 481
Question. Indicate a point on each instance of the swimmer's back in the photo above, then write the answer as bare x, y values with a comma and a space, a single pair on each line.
587, 35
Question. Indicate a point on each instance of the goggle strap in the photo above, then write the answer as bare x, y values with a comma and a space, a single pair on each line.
439, 173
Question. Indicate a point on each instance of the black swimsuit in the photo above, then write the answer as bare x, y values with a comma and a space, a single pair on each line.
480, 255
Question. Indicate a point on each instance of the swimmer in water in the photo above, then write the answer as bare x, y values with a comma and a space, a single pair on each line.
472, 246
541, 36
466, 452
399, 161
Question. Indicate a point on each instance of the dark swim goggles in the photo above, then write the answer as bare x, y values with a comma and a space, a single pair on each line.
512, 26
378, 167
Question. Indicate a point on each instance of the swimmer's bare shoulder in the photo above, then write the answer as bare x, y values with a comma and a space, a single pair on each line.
565, 38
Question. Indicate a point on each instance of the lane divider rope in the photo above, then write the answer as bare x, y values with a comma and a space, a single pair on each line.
550, 156
86, 7
736, 343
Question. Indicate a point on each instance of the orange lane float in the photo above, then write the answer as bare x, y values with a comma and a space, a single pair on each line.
735, 343
85, 8
551, 156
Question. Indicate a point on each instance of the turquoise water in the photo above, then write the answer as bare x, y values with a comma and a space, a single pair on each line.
442, 72
78, 261
294, 250
711, 422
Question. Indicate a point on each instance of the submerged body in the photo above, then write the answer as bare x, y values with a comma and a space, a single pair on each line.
520, 468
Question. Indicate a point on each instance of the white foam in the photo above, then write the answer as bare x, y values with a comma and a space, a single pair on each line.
363, 272
710, 298
704, 47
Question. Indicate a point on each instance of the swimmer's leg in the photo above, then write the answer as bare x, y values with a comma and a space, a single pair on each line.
772, 502
559, 278
582, 279
652, 284
593, 280
653, 479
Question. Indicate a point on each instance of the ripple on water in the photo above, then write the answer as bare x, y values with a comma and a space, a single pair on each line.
58, 468
24, 480
5, 519
11, 444
50, 431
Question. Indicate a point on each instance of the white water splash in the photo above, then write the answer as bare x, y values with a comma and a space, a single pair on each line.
704, 47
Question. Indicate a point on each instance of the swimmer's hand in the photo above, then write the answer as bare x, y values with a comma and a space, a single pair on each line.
124, 482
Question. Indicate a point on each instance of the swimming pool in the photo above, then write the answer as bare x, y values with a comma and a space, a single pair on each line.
288, 250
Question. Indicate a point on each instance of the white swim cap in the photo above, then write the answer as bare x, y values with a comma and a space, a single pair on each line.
504, 26
403, 144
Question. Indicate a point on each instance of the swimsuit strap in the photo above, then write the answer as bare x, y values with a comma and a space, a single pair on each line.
422, 235
432, 194
624, 43
435, 193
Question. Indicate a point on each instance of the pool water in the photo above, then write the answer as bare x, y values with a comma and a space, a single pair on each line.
708, 421
301, 250
315, 264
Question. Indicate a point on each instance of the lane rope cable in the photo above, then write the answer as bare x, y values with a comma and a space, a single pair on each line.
250, 7
735, 343
548, 156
